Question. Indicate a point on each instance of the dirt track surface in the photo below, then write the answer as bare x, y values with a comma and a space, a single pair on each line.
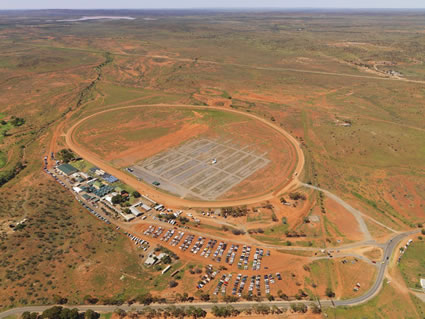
171, 200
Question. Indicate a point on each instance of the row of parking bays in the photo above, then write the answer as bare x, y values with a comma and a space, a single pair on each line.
93, 212
241, 282
138, 241
175, 237
210, 275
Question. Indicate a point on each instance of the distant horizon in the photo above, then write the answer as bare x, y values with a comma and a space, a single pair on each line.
219, 8
211, 4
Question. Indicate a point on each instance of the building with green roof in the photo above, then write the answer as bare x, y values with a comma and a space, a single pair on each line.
67, 169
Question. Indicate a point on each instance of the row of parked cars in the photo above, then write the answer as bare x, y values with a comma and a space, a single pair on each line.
207, 250
231, 253
219, 251
243, 259
210, 275
95, 213
222, 284
138, 241
258, 256
152, 232
177, 236
187, 242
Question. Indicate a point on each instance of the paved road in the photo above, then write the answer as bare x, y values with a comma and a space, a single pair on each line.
390, 245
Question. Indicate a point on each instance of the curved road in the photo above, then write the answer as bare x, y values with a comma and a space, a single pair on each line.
356, 213
166, 198
390, 245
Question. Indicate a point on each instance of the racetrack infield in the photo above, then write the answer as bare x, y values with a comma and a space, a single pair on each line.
127, 136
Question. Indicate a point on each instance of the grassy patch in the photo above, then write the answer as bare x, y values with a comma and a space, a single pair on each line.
388, 304
82, 165
412, 264
3, 159
3, 130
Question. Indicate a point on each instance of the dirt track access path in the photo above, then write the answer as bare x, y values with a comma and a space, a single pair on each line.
171, 200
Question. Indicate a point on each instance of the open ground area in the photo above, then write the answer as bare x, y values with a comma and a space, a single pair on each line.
243, 163
202, 169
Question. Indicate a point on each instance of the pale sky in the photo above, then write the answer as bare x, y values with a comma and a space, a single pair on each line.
185, 4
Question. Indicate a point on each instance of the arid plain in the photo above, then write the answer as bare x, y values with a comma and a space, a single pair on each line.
322, 116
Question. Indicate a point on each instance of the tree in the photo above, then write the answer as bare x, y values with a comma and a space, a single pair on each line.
299, 307
166, 260
315, 308
17, 121
329, 293
423, 231
173, 283
120, 312
297, 196
229, 298
90, 314
59, 300
145, 299
66, 155
136, 194
205, 297
117, 199
52, 313
90, 300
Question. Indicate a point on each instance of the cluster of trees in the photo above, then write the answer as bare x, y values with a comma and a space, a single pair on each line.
300, 294
6, 176
58, 312
17, 121
183, 220
322, 204
226, 311
171, 311
86, 93
234, 211
167, 251
120, 199
256, 230
235, 231
293, 233
66, 155
238, 232
299, 307
166, 216
297, 196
